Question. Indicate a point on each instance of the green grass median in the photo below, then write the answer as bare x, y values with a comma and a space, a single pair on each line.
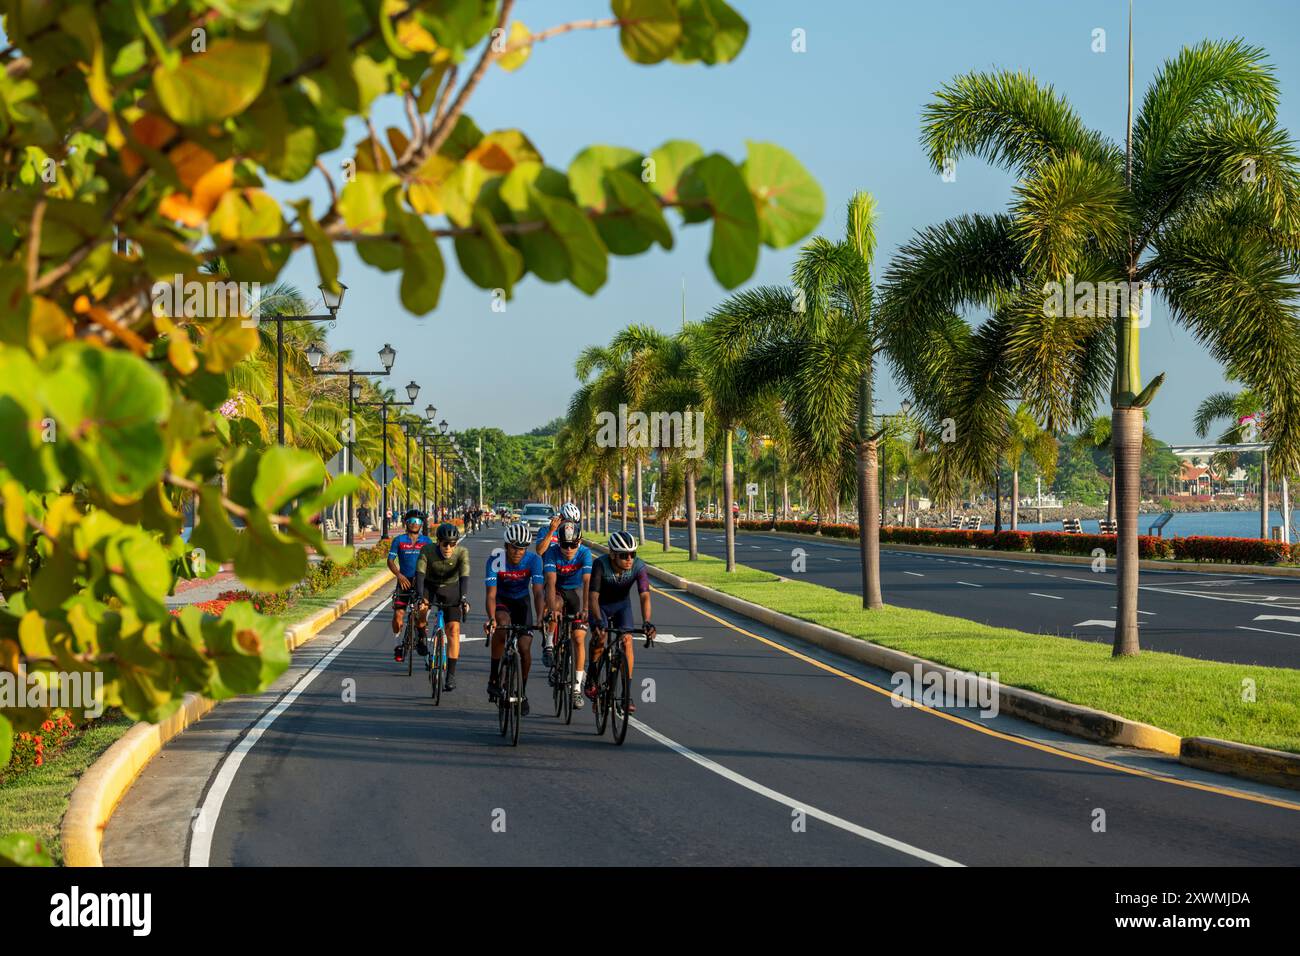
1188, 697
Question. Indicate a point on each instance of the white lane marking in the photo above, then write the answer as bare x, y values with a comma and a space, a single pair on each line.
1054, 597
836, 560
791, 802
914, 574
1277, 617
969, 585
1095, 623
1152, 613
1264, 630
201, 846
661, 638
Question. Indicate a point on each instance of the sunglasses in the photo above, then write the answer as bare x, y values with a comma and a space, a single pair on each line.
626, 554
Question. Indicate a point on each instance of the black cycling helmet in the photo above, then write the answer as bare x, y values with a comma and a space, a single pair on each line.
447, 532
415, 514
570, 535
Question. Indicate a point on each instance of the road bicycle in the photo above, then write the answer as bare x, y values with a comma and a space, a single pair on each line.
563, 676
613, 681
437, 660
408, 628
510, 700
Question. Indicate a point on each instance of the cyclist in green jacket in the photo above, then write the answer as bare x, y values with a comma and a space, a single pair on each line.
442, 577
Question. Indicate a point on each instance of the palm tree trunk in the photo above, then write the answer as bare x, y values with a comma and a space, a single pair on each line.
1110, 502
869, 524
691, 542
1015, 499
728, 495
785, 497
1126, 442
907, 500
622, 491
640, 503
1263, 494
604, 505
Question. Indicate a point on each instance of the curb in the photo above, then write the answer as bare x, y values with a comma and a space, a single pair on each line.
1260, 764
103, 785
1145, 564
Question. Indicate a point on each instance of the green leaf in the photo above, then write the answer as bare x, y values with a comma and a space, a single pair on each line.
650, 31
588, 258
790, 204
214, 85
22, 849
733, 253
638, 207
213, 531
712, 32
544, 256
6, 741
486, 258
327, 260
110, 407
285, 473
266, 560
668, 162
362, 201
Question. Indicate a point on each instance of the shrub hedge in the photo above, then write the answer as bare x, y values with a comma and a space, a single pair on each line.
1221, 550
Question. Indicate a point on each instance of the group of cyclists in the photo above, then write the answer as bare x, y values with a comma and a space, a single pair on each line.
543, 576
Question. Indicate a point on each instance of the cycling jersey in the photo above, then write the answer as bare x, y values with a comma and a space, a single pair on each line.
513, 580
569, 572
613, 587
407, 552
433, 571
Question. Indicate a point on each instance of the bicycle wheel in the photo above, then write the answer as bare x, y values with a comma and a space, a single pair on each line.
598, 706
503, 701
410, 646
556, 680
569, 681
436, 672
621, 695
516, 703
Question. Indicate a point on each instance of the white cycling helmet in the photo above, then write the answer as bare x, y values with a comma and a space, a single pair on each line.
622, 542
569, 512
518, 533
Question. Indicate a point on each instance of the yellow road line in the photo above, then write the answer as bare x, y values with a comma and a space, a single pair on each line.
971, 725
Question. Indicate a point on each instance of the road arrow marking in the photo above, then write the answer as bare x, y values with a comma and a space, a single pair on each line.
1097, 623
672, 638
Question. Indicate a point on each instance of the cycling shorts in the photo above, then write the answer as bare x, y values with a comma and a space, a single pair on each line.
402, 597
516, 607
448, 594
618, 617
572, 601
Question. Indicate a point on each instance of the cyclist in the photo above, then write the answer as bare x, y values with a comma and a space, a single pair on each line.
509, 578
566, 567
442, 574
546, 536
403, 553
610, 600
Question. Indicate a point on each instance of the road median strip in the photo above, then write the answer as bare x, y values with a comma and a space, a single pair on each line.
1189, 695
103, 786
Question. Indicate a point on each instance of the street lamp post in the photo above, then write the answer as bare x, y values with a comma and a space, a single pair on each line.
413, 391
387, 355
333, 302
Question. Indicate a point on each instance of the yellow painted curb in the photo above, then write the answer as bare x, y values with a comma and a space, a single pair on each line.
102, 787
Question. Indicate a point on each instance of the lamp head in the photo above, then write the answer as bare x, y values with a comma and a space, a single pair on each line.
314, 354
388, 355
333, 300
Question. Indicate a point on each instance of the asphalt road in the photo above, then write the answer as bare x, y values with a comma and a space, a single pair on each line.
1240, 619
753, 750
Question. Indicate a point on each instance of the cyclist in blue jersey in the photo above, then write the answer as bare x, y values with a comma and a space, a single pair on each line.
613, 576
509, 579
567, 569
403, 553
546, 536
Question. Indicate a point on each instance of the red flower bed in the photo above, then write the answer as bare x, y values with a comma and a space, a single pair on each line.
29, 749
1230, 550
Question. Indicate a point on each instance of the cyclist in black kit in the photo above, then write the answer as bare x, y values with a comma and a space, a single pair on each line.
613, 576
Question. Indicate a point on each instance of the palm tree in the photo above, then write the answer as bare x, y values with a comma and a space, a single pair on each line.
813, 345
1026, 437
1241, 409
1202, 205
